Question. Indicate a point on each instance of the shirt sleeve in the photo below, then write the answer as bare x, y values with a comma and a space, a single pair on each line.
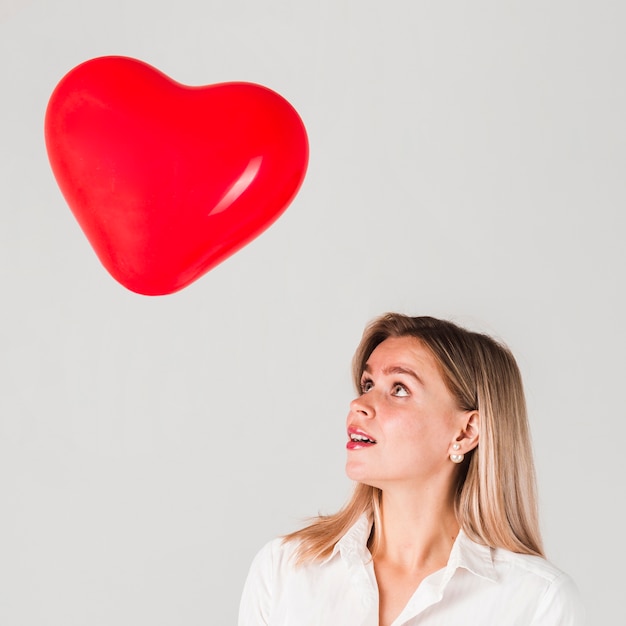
562, 605
256, 598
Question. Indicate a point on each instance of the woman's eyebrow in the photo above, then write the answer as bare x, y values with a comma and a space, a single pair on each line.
396, 369
400, 369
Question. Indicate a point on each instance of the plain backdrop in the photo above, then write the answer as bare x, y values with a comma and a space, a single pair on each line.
467, 161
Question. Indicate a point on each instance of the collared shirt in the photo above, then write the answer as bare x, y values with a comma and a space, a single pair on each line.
479, 586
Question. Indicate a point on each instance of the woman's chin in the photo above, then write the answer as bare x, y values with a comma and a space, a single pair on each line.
357, 473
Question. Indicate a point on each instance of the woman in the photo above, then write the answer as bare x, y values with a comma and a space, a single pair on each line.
442, 527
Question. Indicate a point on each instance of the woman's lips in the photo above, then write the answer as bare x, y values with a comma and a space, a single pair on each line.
358, 439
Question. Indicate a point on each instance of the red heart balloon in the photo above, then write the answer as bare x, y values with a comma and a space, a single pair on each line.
167, 180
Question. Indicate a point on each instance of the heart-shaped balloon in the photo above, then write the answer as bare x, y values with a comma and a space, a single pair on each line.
167, 180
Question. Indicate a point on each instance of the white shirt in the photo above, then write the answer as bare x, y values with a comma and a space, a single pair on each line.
479, 586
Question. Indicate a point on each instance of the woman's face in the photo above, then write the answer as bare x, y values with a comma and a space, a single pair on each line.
402, 426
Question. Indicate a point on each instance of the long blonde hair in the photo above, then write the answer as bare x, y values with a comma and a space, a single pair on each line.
496, 498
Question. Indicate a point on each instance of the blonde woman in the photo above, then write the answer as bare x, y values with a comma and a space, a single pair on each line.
442, 527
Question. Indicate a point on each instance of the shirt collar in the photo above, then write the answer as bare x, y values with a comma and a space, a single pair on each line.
471, 556
353, 545
465, 553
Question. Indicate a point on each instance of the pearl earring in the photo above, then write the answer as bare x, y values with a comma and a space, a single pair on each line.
457, 458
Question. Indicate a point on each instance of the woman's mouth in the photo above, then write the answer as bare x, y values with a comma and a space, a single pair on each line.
358, 439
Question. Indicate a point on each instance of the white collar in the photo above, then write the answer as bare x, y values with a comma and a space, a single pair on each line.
465, 553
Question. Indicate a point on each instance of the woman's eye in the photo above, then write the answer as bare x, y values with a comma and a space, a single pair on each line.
399, 390
366, 386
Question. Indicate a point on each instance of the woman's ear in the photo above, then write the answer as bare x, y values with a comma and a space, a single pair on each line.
468, 438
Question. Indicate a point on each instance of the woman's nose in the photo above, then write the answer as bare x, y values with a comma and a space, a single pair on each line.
361, 405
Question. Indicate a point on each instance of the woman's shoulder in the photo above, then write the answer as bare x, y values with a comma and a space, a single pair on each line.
510, 568
278, 548
274, 555
265, 575
558, 592
534, 565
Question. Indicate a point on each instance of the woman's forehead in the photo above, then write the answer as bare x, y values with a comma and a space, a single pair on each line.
398, 352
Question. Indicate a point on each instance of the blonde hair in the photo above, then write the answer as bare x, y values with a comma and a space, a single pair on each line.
496, 498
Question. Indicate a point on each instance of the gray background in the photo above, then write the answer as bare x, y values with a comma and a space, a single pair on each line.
467, 161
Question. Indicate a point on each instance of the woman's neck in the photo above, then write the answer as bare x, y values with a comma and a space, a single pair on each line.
418, 530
